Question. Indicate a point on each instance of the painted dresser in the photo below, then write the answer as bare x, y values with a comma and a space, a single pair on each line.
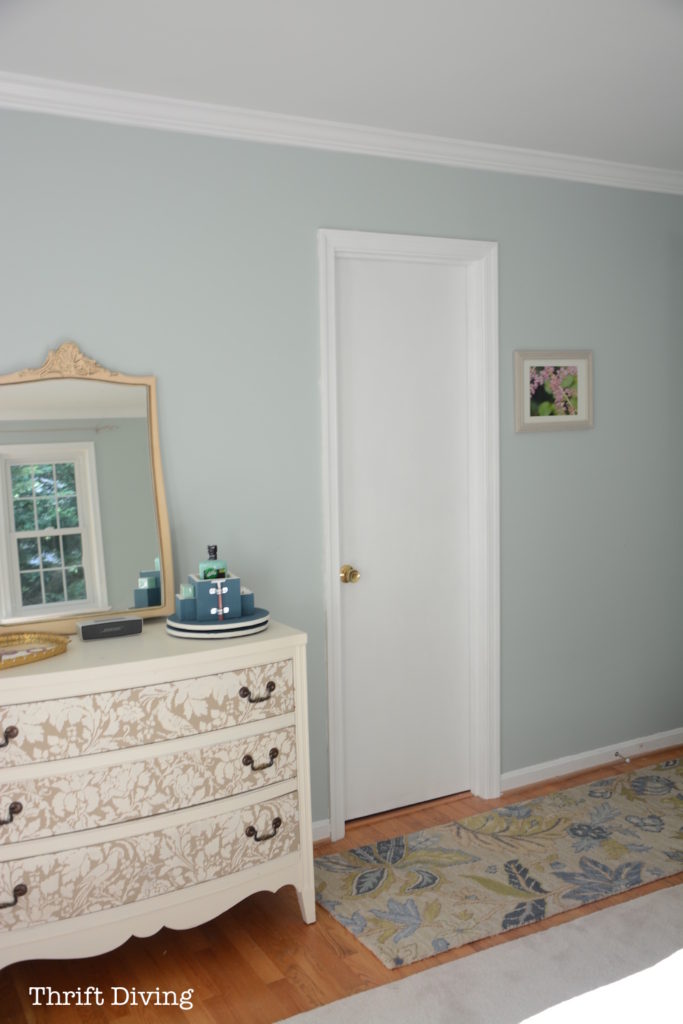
149, 781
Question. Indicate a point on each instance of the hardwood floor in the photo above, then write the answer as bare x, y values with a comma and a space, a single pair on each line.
258, 963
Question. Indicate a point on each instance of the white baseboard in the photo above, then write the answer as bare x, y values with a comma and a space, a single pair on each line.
589, 759
563, 766
321, 830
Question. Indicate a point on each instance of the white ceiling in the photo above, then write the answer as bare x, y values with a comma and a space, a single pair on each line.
599, 79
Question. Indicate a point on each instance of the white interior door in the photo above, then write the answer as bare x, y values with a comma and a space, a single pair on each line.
401, 334
410, 393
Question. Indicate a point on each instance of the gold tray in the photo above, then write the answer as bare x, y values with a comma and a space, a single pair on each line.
22, 648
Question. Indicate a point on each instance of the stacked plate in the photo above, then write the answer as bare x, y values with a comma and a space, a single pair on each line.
244, 626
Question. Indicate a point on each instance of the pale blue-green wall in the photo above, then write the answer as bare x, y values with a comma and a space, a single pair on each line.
195, 259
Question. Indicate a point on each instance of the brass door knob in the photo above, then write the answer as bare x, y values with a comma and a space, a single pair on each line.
347, 574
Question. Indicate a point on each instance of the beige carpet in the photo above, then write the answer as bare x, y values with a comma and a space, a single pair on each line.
510, 982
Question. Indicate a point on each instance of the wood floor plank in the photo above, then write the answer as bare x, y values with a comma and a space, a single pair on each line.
258, 962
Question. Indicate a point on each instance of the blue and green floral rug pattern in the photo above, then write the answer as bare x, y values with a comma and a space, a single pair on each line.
413, 896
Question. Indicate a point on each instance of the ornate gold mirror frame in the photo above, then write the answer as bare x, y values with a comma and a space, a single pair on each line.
68, 363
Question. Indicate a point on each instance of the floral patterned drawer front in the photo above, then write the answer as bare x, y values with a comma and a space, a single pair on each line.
71, 883
52, 729
56, 804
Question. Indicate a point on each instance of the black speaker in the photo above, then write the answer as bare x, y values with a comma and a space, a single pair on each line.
101, 629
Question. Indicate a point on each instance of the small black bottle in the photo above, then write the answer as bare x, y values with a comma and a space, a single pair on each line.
214, 568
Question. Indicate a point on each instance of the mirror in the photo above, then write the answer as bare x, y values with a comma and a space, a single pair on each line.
84, 529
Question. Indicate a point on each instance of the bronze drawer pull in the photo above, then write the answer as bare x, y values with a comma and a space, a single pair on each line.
248, 761
14, 808
246, 692
253, 834
10, 733
19, 890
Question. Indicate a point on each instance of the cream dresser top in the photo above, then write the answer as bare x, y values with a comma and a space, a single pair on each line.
91, 666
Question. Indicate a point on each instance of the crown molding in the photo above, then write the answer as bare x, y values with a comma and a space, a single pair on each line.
112, 106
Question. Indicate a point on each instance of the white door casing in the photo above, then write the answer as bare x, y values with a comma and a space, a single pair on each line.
476, 263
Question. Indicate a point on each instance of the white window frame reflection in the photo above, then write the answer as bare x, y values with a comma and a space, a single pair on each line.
82, 455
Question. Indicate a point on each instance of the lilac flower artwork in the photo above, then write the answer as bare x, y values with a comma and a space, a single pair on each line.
553, 390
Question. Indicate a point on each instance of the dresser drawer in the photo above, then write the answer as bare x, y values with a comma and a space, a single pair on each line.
54, 729
72, 801
73, 882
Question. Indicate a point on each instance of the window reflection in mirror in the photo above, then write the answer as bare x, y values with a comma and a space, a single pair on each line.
77, 503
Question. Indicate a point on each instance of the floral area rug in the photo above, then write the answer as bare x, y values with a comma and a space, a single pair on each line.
413, 896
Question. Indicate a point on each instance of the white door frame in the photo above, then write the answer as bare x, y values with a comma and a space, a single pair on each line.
483, 481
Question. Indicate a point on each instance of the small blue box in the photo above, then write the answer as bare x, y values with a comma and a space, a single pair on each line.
147, 597
247, 601
217, 600
186, 608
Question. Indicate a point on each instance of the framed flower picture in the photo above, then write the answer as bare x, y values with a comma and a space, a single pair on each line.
553, 390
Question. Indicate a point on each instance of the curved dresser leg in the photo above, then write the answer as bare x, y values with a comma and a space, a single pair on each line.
306, 898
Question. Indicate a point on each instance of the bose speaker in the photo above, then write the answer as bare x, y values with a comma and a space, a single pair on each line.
101, 629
